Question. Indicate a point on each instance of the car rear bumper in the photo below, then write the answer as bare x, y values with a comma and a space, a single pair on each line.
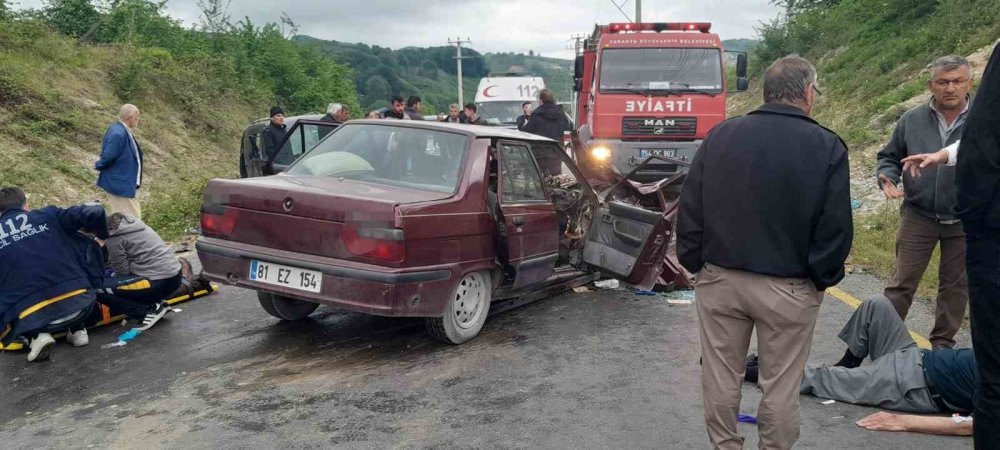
367, 288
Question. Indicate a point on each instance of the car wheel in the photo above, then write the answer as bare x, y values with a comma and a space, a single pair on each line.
466, 311
243, 167
285, 308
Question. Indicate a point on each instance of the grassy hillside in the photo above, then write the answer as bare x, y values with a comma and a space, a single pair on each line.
872, 58
65, 70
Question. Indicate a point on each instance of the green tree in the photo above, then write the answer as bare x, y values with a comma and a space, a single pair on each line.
71, 17
376, 89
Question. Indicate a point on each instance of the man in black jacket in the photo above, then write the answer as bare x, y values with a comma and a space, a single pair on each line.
413, 106
522, 120
397, 111
472, 115
978, 180
548, 119
273, 133
765, 220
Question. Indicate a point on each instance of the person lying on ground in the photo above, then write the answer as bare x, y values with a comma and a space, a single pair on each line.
43, 287
902, 377
135, 250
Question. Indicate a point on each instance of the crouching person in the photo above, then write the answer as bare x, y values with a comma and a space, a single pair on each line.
135, 250
43, 287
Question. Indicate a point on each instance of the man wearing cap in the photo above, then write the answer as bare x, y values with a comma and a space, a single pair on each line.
273, 133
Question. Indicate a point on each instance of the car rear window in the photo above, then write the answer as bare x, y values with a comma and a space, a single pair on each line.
396, 156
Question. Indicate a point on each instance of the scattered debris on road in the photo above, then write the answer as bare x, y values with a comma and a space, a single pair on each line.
581, 289
607, 284
829, 402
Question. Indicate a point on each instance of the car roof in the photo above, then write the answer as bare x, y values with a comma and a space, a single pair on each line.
289, 120
474, 131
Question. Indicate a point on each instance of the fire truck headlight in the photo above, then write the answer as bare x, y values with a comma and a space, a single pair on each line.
600, 153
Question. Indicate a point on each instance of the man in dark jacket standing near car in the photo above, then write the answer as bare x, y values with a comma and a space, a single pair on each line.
273, 133
759, 261
548, 119
929, 210
522, 120
121, 163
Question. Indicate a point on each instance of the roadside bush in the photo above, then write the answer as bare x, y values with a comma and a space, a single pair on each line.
175, 209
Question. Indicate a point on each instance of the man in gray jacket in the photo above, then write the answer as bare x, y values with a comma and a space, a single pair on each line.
136, 250
929, 211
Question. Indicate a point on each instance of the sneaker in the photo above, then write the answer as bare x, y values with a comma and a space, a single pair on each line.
78, 338
40, 347
153, 316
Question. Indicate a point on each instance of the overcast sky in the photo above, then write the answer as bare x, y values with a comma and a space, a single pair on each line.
544, 26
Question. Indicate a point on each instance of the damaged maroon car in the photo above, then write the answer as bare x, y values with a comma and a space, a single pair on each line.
433, 220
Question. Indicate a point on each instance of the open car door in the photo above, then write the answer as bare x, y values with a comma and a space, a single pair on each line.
529, 223
303, 136
633, 228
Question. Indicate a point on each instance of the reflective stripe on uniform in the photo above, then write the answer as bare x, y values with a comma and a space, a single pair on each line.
137, 286
44, 303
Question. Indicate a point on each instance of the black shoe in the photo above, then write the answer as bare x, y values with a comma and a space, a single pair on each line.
849, 360
753, 366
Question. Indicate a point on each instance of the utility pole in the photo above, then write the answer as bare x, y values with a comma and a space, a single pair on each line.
458, 58
578, 40
638, 11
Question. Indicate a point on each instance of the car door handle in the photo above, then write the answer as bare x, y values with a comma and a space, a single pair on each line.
627, 237
517, 220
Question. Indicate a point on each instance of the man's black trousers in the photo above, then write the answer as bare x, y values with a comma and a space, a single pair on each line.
983, 266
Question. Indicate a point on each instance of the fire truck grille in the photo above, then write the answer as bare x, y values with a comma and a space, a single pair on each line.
659, 126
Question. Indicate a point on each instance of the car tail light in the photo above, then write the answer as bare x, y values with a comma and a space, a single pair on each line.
703, 27
385, 244
218, 220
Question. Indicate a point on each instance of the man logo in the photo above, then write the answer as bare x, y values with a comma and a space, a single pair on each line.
660, 123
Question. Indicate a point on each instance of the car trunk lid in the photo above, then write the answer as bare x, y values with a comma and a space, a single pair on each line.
313, 215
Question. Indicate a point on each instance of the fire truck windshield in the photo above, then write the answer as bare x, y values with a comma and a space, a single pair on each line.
674, 70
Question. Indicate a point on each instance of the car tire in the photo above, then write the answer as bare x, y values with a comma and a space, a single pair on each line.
466, 310
285, 308
243, 167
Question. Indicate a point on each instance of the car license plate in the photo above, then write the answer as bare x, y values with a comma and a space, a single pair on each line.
665, 152
292, 277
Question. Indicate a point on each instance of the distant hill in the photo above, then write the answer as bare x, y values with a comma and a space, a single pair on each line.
381, 72
739, 45
430, 72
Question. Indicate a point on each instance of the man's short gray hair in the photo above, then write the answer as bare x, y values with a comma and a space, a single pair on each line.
334, 108
454, 105
128, 111
948, 63
787, 79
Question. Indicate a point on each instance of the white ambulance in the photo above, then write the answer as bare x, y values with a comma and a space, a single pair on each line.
500, 96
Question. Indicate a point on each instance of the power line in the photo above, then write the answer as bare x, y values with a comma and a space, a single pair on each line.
622, 10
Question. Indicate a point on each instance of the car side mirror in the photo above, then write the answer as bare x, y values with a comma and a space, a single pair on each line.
578, 67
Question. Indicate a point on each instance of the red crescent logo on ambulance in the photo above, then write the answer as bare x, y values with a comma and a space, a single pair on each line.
486, 92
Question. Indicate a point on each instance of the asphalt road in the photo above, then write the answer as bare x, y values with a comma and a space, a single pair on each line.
595, 370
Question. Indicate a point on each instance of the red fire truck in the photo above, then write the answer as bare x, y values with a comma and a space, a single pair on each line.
650, 89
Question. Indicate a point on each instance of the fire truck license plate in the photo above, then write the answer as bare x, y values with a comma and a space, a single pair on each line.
665, 152
279, 275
